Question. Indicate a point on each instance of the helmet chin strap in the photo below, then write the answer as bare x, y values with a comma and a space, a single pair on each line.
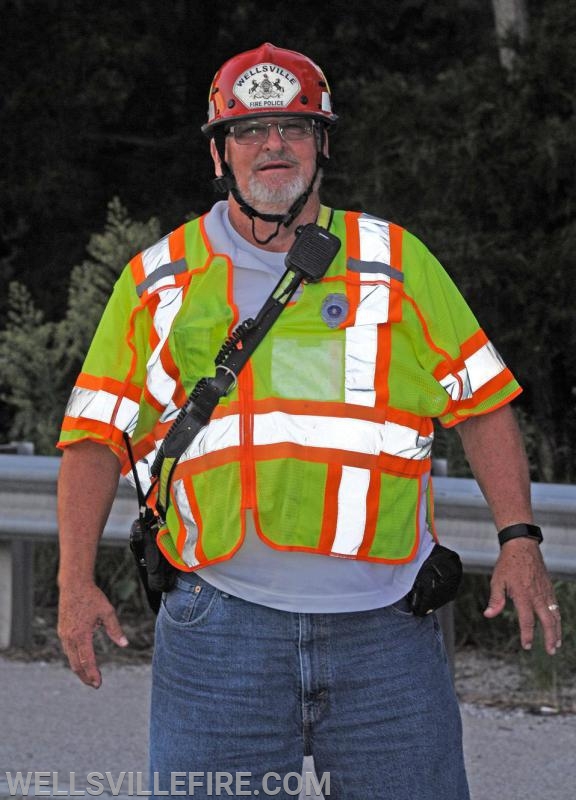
227, 183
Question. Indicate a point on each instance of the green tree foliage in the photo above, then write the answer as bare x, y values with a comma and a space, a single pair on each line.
28, 364
39, 359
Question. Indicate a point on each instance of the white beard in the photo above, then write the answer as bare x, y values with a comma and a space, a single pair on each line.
274, 199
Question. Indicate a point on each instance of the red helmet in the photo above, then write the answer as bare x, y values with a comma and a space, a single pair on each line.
268, 81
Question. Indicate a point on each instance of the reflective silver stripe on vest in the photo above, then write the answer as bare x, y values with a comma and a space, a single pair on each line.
351, 520
217, 435
161, 385
483, 365
156, 255
307, 430
353, 435
189, 550
457, 385
99, 405
362, 338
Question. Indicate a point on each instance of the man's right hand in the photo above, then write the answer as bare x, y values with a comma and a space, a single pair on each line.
81, 612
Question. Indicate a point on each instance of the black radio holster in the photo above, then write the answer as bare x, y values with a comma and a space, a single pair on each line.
437, 581
156, 572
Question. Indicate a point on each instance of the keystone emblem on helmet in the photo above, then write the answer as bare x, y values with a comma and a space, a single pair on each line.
266, 85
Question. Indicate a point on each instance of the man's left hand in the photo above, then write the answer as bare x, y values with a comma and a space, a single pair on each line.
520, 573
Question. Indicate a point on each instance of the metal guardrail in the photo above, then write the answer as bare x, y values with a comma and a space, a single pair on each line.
18, 448
28, 515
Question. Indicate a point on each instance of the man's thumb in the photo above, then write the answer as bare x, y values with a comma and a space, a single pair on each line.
114, 631
496, 602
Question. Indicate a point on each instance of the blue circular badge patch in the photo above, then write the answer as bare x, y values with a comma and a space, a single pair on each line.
335, 309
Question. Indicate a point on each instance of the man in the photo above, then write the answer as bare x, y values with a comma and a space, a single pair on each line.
298, 519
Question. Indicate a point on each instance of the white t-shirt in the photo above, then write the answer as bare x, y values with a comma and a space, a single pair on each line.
288, 580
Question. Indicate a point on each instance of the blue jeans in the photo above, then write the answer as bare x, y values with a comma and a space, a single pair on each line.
242, 691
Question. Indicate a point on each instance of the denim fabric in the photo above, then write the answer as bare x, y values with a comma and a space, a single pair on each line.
243, 688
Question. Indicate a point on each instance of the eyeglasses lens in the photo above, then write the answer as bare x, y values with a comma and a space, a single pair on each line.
290, 130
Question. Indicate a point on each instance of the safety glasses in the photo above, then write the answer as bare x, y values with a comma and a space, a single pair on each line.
292, 129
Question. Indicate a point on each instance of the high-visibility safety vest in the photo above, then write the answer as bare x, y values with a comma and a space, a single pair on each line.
328, 435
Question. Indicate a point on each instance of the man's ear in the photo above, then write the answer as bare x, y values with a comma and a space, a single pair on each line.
215, 159
322, 141
326, 146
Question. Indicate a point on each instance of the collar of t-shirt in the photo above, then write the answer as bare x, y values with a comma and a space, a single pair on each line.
256, 271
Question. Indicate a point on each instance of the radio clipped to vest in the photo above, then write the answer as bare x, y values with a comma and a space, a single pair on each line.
308, 259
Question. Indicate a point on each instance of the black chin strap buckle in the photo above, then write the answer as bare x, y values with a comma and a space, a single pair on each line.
222, 184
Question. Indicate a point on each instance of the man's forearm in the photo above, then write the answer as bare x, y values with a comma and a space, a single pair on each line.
87, 486
495, 451
86, 489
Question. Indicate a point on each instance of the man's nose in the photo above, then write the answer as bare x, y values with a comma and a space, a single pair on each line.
274, 140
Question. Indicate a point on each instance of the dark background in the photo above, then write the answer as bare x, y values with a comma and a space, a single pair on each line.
474, 154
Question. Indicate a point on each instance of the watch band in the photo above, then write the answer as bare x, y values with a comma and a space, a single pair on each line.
522, 529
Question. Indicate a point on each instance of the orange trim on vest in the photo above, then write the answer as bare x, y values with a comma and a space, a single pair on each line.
247, 467
198, 550
473, 344
230, 296
179, 396
93, 426
116, 444
132, 369
182, 531
177, 243
396, 234
151, 400
137, 269
430, 510
151, 306
352, 251
97, 383
382, 371
328, 532
372, 506
205, 239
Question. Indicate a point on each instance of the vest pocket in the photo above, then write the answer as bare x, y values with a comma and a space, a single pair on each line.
370, 515
396, 526
290, 501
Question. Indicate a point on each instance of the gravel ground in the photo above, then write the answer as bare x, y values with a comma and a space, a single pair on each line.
508, 682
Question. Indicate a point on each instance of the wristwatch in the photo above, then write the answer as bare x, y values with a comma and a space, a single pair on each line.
522, 529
